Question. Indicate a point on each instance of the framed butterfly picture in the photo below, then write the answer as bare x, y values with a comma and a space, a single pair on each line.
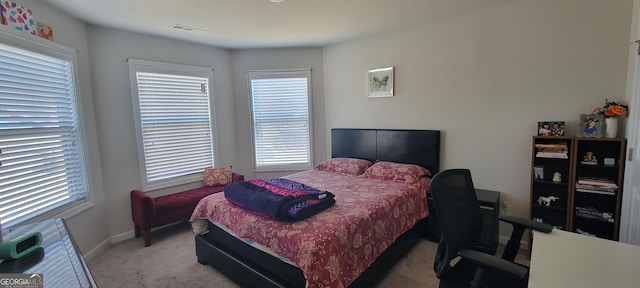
381, 82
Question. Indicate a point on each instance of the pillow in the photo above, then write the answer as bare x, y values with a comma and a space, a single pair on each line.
217, 176
397, 172
347, 166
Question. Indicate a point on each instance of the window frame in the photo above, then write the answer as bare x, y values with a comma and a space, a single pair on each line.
272, 74
137, 65
28, 42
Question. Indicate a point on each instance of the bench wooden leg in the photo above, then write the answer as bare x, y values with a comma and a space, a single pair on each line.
147, 237
136, 230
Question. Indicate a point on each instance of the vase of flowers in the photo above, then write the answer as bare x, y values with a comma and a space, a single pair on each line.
612, 111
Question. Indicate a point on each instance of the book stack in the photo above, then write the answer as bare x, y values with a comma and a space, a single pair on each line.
596, 185
590, 212
560, 151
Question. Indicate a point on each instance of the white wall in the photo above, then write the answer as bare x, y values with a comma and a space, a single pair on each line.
485, 78
110, 50
87, 227
261, 59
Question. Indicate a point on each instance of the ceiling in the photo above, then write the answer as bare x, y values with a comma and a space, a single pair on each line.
262, 23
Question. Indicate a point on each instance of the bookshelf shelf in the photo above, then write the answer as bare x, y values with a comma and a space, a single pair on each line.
598, 186
599, 166
551, 182
587, 199
551, 208
544, 170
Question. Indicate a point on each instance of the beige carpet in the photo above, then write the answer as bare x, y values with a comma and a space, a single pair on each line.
171, 262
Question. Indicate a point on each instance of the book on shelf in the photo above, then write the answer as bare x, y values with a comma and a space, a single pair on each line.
596, 191
597, 181
590, 212
552, 152
596, 187
552, 155
551, 145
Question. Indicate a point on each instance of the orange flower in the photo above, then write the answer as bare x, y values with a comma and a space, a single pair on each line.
616, 110
611, 109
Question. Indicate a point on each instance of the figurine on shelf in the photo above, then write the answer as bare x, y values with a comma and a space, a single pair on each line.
589, 159
557, 177
546, 201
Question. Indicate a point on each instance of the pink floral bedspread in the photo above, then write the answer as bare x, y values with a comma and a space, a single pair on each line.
335, 246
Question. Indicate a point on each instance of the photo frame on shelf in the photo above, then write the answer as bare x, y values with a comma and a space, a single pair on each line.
551, 128
591, 125
380, 82
538, 172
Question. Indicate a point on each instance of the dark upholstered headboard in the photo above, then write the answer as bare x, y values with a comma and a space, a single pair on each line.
421, 147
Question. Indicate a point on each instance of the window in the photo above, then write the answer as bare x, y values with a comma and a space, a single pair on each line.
281, 119
173, 123
42, 163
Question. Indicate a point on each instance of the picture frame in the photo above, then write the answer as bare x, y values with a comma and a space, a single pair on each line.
538, 172
591, 125
551, 128
380, 82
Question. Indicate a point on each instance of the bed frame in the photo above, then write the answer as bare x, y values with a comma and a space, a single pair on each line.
250, 267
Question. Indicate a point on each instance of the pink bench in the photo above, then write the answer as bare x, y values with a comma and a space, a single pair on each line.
148, 212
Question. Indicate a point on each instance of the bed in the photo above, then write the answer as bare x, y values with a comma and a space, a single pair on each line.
241, 261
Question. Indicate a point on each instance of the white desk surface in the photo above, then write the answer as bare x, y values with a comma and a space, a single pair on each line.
566, 259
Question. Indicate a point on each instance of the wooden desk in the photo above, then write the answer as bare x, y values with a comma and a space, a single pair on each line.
566, 259
58, 258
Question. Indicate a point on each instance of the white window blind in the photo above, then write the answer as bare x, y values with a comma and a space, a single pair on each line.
281, 119
173, 122
42, 161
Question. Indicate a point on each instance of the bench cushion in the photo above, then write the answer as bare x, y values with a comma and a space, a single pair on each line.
148, 212
179, 206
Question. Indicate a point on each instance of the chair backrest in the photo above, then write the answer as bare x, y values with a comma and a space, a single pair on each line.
458, 213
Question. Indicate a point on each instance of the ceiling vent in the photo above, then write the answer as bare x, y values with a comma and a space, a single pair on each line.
184, 27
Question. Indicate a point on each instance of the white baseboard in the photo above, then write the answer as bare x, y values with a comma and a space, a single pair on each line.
122, 236
96, 250
104, 245
115, 239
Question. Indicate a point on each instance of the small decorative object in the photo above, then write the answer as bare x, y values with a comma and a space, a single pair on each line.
612, 111
591, 125
18, 17
546, 201
557, 177
20, 246
589, 159
609, 161
381, 82
45, 31
551, 128
538, 172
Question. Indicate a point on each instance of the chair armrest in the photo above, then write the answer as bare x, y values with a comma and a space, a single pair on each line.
519, 226
494, 263
142, 208
526, 223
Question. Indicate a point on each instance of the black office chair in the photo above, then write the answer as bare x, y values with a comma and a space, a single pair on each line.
460, 221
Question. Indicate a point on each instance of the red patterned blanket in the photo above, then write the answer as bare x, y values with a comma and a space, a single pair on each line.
334, 247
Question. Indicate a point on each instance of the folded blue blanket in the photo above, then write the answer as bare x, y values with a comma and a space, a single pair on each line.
279, 198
